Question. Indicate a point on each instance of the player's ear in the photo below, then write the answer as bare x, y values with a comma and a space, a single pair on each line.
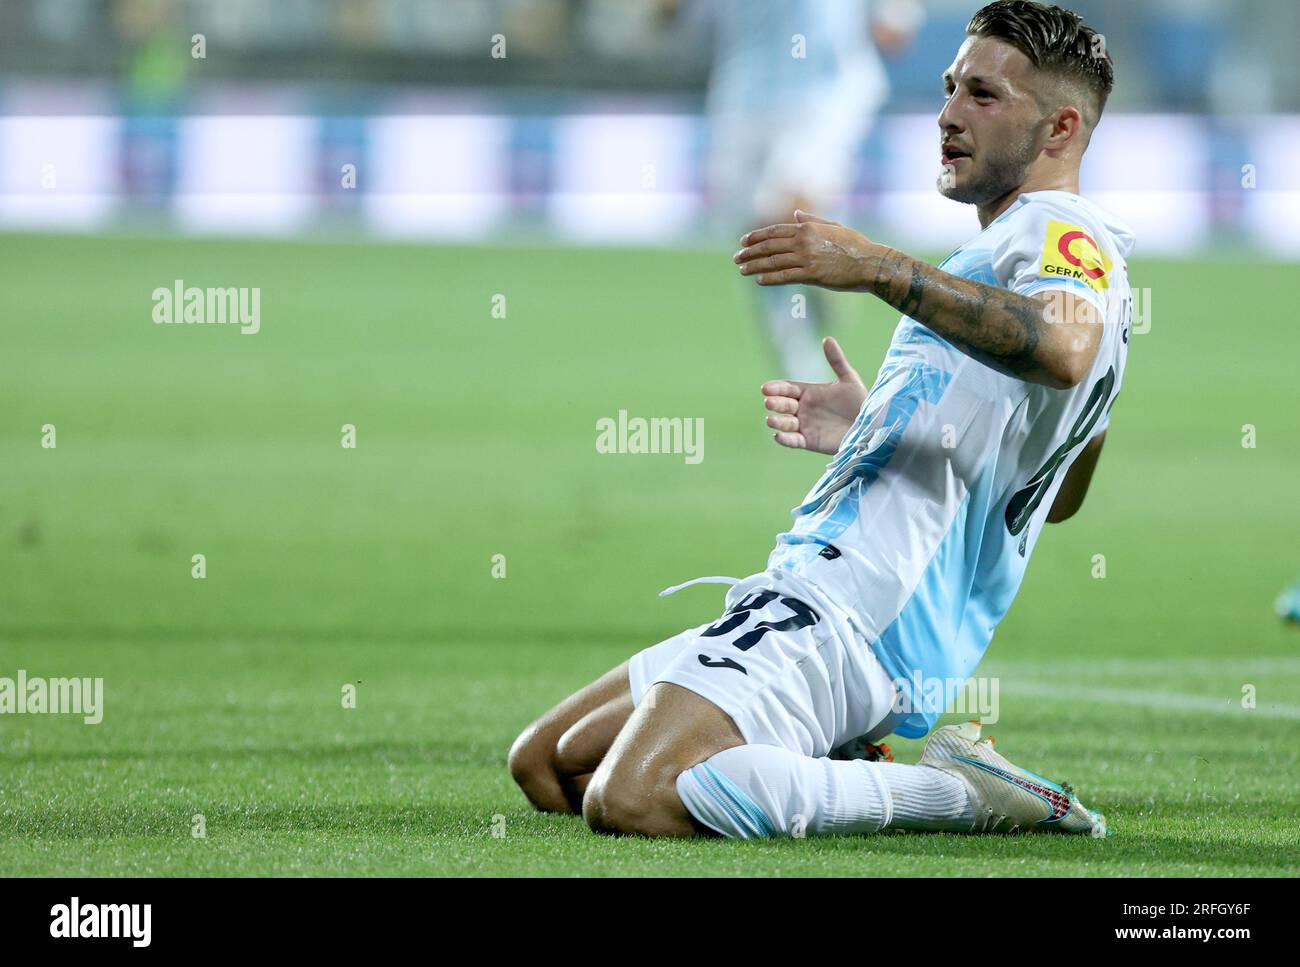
1067, 126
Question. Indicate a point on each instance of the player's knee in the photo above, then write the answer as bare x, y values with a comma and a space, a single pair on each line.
608, 808
570, 753
531, 762
631, 809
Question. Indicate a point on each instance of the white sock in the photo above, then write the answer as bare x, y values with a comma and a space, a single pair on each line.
755, 791
926, 798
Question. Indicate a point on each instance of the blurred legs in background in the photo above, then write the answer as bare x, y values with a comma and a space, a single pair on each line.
794, 91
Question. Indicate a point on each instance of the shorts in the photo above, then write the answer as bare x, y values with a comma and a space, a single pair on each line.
783, 662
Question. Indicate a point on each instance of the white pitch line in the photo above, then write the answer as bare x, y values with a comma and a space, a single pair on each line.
1165, 700
1277, 665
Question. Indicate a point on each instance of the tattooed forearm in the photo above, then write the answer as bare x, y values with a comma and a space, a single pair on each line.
916, 288
998, 327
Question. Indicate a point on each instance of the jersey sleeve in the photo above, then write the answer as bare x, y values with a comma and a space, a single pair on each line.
1046, 248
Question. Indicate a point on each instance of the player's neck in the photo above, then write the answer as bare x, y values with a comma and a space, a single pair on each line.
1061, 182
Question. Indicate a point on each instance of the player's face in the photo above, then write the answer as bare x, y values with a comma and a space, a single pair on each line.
990, 124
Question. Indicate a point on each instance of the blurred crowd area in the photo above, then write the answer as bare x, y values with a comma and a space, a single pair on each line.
1216, 56
603, 121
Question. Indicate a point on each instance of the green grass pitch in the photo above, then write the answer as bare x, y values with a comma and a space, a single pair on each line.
475, 437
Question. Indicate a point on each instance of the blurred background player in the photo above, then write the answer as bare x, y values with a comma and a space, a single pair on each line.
794, 91
1288, 604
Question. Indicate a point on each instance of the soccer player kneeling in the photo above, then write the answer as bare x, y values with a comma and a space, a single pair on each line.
984, 422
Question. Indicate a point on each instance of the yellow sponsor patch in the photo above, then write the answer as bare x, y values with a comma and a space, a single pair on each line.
1071, 253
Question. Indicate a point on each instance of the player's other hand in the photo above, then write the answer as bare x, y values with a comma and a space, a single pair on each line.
815, 416
808, 251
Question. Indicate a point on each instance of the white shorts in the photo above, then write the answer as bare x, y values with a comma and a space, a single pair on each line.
783, 662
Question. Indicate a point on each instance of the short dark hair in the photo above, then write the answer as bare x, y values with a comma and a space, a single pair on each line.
1055, 40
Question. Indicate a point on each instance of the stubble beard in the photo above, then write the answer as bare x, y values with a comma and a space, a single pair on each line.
1003, 172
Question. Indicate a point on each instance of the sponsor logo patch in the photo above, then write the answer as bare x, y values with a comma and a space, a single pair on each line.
1071, 253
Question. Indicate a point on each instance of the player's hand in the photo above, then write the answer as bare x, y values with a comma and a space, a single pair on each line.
808, 251
889, 39
815, 416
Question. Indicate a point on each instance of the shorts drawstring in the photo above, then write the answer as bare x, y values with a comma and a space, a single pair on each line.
711, 579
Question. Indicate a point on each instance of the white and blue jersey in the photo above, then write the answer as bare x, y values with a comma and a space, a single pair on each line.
922, 525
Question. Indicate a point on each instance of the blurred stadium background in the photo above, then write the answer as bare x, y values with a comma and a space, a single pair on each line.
589, 128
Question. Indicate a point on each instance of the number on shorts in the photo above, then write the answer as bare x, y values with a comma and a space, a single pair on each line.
802, 616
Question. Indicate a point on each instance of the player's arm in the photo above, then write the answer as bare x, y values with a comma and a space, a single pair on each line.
1050, 338
1075, 485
